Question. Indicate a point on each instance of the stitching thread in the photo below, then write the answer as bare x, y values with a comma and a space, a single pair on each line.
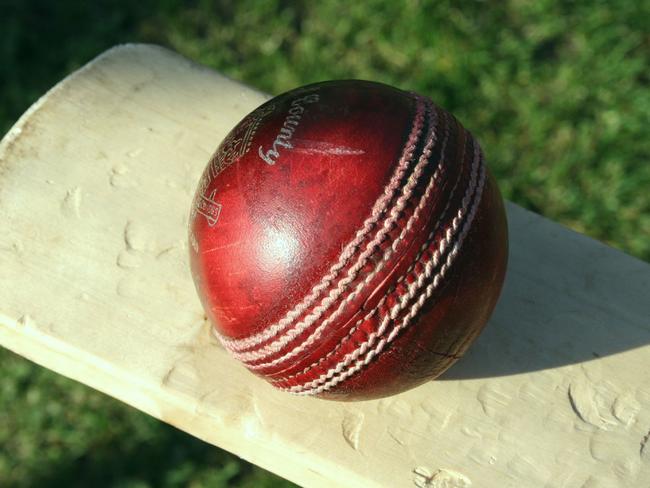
350, 249
328, 380
416, 260
316, 333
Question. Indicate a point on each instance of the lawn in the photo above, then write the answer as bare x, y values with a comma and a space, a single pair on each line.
557, 92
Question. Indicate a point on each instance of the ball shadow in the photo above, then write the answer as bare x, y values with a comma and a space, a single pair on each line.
567, 299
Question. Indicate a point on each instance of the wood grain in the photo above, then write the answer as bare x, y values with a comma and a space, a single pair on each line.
95, 185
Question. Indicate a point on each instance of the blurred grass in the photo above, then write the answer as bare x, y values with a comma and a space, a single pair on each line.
557, 92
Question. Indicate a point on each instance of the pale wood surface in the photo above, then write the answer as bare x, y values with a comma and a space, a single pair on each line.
95, 186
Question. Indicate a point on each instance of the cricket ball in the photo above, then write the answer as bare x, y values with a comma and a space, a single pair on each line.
347, 240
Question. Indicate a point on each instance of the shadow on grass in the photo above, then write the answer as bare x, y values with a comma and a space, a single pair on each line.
170, 458
41, 42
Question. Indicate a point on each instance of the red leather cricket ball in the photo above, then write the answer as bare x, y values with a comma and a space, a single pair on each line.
347, 240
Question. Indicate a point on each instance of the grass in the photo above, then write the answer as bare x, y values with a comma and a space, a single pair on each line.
557, 92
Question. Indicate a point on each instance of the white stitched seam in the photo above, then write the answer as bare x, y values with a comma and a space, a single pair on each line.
350, 249
422, 249
328, 380
264, 352
363, 349
427, 244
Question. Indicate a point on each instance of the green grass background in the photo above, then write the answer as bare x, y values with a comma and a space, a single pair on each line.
557, 92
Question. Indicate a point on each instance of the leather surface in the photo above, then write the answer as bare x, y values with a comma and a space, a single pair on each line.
348, 241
